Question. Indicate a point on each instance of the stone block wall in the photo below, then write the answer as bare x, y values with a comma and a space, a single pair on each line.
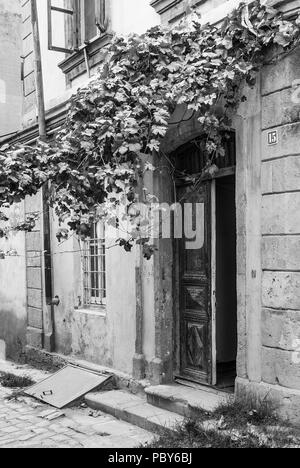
281, 224
34, 276
29, 94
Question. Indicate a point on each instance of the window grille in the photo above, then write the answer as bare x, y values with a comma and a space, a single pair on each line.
94, 267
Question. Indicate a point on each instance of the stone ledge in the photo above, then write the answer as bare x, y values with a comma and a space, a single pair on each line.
161, 6
185, 401
134, 410
75, 65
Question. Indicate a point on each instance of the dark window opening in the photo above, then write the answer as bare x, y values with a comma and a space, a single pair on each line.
196, 160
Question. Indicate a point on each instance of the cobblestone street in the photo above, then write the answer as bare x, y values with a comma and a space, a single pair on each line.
23, 424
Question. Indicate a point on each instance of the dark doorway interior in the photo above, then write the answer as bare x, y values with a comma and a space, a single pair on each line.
226, 295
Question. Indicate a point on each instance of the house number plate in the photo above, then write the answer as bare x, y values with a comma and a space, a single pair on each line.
273, 138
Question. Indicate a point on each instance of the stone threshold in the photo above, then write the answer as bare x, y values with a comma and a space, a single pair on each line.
164, 407
185, 400
134, 410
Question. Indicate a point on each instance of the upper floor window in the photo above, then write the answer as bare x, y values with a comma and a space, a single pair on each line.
73, 23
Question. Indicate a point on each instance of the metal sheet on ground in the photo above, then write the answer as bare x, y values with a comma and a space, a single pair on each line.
66, 386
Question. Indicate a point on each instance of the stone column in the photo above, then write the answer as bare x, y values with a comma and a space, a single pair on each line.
162, 364
248, 196
139, 357
34, 265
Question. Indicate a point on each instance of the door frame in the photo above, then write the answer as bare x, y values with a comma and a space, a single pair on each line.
197, 281
177, 289
213, 265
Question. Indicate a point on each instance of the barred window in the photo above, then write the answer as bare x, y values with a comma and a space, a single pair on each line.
94, 267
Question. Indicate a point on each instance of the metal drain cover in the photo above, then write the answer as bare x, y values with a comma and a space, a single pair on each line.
66, 386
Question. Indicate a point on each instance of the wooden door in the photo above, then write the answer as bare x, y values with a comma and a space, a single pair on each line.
196, 291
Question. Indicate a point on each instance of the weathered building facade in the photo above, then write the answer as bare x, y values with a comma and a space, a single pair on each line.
10, 85
226, 315
13, 314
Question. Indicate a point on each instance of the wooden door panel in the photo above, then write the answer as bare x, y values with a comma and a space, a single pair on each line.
196, 298
195, 295
195, 360
195, 262
196, 344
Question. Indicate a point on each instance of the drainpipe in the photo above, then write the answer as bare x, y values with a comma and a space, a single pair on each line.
49, 334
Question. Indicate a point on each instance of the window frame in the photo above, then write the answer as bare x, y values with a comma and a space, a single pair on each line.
101, 21
65, 11
94, 271
75, 31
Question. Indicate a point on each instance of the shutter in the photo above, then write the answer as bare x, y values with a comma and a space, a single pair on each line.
101, 15
93, 19
59, 14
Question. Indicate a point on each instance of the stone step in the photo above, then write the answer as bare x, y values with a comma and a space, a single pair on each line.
134, 410
184, 400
